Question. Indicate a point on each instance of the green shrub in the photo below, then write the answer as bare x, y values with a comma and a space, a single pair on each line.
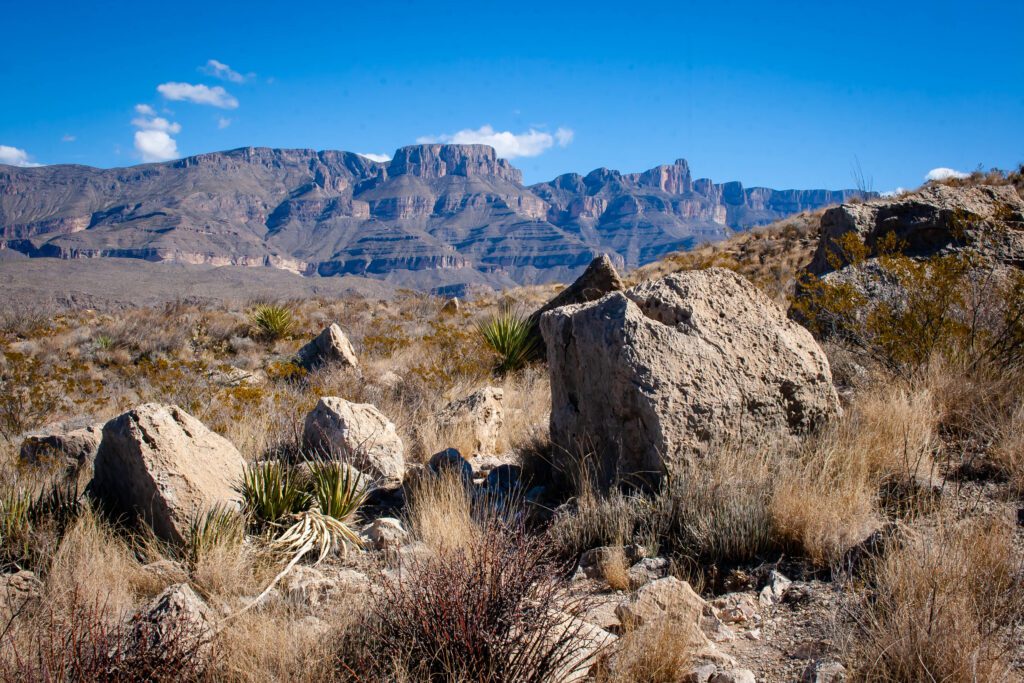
272, 321
511, 336
338, 490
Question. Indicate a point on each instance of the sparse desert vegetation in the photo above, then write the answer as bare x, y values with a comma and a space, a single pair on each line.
427, 523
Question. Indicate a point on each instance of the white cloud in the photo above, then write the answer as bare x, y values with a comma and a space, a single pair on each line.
223, 122
943, 173
156, 123
145, 110
155, 145
198, 94
223, 71
12, 156
894, 193
380, 158
507, 144
68, 138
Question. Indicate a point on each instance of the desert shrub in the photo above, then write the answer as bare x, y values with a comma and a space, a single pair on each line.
210, 530
84, 641
941, 607
30, 394
32, 524
510, 335
272, 321
659, 652
497, 611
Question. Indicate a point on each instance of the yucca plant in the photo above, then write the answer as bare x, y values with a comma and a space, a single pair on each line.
270, 492
272, 321
511, 336
217, 527
338, 490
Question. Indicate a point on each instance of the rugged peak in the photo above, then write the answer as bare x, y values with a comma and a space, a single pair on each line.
674, 179
437, 161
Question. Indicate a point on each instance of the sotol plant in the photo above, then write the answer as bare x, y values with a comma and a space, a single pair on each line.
510, 334
272, 321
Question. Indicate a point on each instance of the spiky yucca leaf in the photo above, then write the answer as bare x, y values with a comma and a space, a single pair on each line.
270, 492
272, 321
220, 526
510, 335
338, 489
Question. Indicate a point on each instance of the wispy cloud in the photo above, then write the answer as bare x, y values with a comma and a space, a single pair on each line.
68, 138
153, 139
198, 94
223, 122
506, 144
224, 72
380, 158
13, 156
943, 173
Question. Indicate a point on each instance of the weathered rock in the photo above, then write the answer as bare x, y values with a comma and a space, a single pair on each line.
774, 588
592, 562
330, 346
17, 590
655, 376
451, 306
161, 464
648, 569
598, 279
451, 460
504, 480
668, 597
481, 414
385, 533
936, 219
590, 642
701, 673
359, 434
73, 441
734, 676
312, 587
177, 616
824, 671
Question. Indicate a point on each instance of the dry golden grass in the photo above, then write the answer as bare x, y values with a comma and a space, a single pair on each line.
943, 607
614, 568
441, 513
661, 652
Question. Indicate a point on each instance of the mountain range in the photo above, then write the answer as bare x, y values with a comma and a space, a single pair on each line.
434, 216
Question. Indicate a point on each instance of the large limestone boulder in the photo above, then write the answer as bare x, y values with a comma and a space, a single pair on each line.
330, 346
598, 279
359, 434
481, 415
654, 376
161, 464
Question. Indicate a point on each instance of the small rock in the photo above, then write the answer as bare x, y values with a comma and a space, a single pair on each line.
824, 671
753, 634
736, 608
503, 480
774, 588
385, 533
451, 306
330, 346
307, 587
648, 569
658, 599
18, 589
734, 676
451, 460
74, 441
176, 614
699, 674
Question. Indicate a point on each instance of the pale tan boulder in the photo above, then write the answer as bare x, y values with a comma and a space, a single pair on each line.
663, 373
330, 346
480, 414
158, 463
359, 434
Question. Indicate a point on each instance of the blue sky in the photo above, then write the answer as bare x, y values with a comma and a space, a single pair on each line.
778, 94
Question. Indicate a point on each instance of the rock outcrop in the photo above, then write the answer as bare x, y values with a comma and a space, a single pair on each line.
330, 346
435, 215
660, 374
162, 465
937, 219
359, 434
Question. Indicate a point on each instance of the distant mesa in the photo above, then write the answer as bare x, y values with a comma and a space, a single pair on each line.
432, 216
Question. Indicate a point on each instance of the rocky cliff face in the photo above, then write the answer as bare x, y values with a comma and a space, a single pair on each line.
433, 215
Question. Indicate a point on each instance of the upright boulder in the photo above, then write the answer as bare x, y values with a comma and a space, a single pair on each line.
161, 464
659, 374
481, 414
330, 346
598, 279
359, 434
